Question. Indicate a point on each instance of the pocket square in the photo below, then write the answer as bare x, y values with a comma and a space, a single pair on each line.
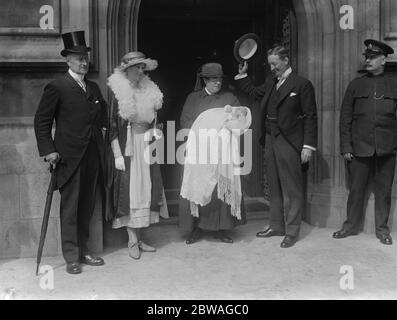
96, 101
292, 94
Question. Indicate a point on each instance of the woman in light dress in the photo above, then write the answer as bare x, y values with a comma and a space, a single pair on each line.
138, 196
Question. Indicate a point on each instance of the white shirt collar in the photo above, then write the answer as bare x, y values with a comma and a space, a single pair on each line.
286, 73
206, 90
77, 77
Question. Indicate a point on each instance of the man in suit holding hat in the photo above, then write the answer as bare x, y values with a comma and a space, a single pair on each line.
368, 140
289, 128
77, 106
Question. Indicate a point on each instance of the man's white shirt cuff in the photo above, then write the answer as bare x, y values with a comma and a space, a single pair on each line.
309, 147
240, 76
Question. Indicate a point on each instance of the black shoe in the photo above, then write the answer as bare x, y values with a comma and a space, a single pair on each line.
221, 235
92, 261
288, 241
269, 232
194, 236
343, 234
385, 239
73, 268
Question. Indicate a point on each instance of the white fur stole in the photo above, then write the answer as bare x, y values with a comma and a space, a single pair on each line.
136, 104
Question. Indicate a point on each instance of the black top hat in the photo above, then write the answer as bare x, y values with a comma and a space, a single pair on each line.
376, 48
74, 42
247, 47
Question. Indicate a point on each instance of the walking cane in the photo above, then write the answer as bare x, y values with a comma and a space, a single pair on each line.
46, 216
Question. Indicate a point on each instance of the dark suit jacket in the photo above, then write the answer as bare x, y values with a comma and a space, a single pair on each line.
296, 109
79, 117
369, 125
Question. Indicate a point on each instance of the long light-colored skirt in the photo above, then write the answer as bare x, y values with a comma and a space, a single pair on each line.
140, 190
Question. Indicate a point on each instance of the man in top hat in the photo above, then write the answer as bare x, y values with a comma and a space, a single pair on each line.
289, 134
215, 216
368, 140
77, 106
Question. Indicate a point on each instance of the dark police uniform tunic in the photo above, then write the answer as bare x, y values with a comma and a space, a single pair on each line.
368, 130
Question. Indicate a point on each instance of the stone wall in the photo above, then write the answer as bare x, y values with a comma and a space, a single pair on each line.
23, 182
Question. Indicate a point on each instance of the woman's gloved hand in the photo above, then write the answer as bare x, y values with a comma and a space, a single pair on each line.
119, 163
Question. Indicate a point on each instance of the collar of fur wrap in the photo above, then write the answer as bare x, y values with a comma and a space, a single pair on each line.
136, 104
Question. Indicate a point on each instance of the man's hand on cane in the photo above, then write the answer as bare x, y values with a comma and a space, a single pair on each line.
52, 158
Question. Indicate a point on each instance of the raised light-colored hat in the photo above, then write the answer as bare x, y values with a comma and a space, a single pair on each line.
248, 47
135, 57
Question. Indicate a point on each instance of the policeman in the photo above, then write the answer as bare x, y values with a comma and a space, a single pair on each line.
368, 140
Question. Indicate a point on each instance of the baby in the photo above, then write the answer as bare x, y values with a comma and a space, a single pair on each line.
236, 117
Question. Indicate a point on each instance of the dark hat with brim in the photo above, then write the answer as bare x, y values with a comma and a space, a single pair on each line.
376, 48
211, 70
74, 42
208, 70
247, 47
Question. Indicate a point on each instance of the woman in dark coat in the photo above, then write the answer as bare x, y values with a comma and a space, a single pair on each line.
138, 189
215, 216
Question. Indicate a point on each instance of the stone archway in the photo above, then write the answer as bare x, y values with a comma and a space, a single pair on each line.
121, 26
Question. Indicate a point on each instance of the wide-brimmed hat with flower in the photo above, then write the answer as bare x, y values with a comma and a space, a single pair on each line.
135, 57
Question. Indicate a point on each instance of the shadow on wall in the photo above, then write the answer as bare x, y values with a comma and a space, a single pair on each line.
23, 186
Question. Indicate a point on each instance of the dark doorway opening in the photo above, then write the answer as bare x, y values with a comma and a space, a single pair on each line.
182, 35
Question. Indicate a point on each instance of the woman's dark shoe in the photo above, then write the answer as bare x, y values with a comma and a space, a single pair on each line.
194, 236
221, 235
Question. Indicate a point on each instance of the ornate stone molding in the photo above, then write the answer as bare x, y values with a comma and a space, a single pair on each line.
389, 22
43, 55
122, 21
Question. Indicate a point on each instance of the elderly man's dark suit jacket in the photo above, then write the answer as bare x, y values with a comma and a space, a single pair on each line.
296, 110
367, 125
79, 117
